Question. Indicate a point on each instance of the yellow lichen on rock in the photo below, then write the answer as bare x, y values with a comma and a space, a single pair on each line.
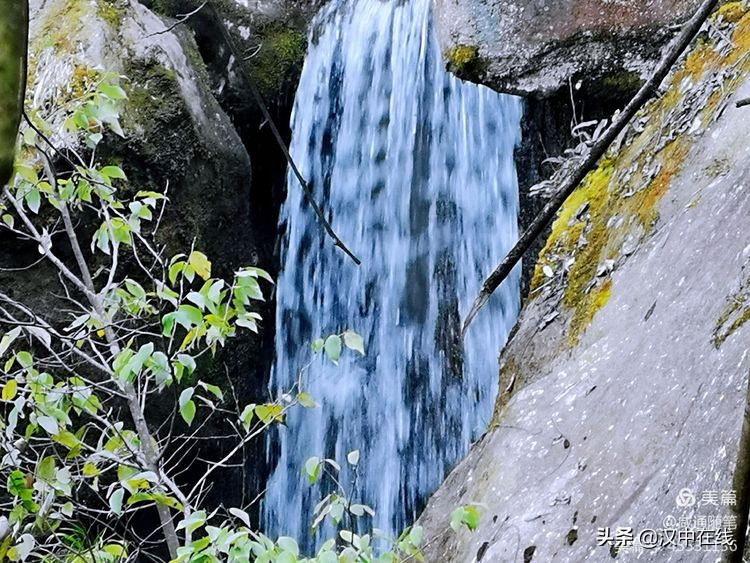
731, 11
619, 201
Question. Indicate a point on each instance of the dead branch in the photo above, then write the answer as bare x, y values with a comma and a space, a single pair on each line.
279, 140
183, 18
598, 149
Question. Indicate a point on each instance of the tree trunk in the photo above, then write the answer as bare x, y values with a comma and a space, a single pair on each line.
14, 32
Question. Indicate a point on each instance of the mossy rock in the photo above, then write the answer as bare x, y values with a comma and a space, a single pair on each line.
465, 62
278, 63
621, 199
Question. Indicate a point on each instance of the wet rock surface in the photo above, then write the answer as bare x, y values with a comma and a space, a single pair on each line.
625, 380
537, 46
179, 140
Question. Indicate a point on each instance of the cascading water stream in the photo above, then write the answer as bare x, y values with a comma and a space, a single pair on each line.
415, 170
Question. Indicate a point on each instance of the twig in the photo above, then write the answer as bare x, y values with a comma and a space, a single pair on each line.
183, 18
598, 149
743, 103
279, 139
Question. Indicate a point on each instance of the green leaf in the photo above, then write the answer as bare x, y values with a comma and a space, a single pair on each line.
213, 389
332, 348
22, 550
113, 172
112, 91
17, 485
241, 514
187, 361
33, 199
186, 395
471, 518
306, 400
90, 470
468, 515
45, 469
115, 501
48, 423
270, 413
117, 550
312, 469
175, 270
187, 316
197, 299
255, 273
187, 411
193, 522
135, 289
330, 557
317, 345
25, 359
167, 323
247, 416
10, 390
121, 231
200, 263
28, 173
354, 342
289, 545
101, 239
67, 439
187, 405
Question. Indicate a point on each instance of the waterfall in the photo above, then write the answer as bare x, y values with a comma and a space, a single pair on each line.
415, 171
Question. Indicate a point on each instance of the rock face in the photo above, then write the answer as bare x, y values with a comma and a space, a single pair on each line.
177, 138
626, 379
536, 46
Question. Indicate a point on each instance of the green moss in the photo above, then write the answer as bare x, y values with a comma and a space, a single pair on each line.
83, 80
621, 200
698, 60
578, 296
616, 85
61, 26
464, 61
462, 55
196, 61
110, 13
279, 60
153, 92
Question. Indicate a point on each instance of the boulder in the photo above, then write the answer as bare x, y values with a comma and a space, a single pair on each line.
177, 140
535, 47
623, 389
176, 136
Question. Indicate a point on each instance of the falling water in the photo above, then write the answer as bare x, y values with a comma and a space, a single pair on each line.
415, 171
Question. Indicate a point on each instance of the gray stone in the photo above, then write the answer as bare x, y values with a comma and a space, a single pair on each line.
537, 46
606, 431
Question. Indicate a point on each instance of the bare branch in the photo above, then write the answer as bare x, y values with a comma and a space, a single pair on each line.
183, 19
279, 140
678, 46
